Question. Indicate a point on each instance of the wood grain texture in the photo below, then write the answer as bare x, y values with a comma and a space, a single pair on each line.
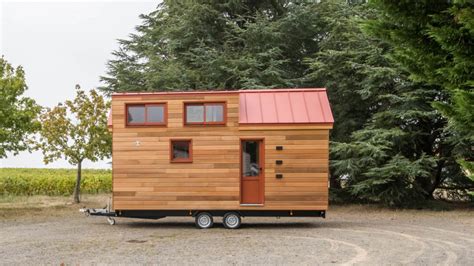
144, 178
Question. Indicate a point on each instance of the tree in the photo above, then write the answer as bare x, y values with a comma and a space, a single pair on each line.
403, 154
389, 144
76, 130
189, 45
353, 67
433, 42
17, 113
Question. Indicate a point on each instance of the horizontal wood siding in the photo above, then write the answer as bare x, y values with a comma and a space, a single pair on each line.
144, 178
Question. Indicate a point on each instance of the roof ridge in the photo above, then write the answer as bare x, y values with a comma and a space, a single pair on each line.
219, 92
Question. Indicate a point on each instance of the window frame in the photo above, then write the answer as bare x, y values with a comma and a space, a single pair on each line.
205, 123
146, 105
190, 148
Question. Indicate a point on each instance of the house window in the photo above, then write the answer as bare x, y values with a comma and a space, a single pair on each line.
146, 114
204, 113
181, 151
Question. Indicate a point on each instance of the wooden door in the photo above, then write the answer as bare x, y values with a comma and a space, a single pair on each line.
252, 171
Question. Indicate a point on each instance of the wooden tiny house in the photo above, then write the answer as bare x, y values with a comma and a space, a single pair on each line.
249, 152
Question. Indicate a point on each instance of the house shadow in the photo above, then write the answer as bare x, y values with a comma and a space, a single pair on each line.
253, 225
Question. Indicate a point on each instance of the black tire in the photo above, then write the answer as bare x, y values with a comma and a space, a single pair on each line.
232, 220
204, 220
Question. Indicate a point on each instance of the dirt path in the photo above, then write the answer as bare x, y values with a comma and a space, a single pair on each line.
350, 235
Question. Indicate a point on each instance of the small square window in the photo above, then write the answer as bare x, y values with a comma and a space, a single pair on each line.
181, 151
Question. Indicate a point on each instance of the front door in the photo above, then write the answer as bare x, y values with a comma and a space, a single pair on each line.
252, 171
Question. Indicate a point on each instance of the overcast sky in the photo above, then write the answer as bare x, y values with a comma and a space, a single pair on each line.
60, 44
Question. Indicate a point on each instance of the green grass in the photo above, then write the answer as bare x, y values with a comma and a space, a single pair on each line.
52, 182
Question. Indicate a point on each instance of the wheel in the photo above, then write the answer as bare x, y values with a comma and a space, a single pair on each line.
204, 220
111, 220
232, 220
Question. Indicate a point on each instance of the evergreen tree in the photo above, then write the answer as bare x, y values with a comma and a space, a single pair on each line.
434, 42
212, 44
389, 142
352, 66
400, 151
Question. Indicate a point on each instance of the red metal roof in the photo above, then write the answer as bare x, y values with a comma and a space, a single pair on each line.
291, 106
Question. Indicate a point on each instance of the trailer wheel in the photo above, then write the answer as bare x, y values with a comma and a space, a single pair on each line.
111, 220
232, 220
204, 220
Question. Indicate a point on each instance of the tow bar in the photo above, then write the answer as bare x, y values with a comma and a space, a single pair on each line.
100, 212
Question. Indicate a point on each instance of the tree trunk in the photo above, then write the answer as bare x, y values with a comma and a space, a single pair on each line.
437, 181
77, 188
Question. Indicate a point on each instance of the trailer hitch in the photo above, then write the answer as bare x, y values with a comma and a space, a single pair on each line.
107, 212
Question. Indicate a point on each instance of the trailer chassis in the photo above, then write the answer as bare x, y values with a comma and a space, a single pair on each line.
204, 218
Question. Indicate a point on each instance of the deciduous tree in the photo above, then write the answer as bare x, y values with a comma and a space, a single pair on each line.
17, 112
76, 130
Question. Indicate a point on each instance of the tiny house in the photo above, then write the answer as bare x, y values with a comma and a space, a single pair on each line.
220, 153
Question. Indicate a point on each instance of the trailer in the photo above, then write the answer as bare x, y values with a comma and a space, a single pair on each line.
229, 154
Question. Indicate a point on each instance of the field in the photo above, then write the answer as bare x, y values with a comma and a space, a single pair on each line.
362, 235
52, 182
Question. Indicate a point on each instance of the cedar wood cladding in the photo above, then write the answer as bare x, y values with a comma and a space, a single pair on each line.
144, 178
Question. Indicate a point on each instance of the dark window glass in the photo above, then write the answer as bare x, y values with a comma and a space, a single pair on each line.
195, 113
250, 156
155, 114
181, 151
214, 113
136, 114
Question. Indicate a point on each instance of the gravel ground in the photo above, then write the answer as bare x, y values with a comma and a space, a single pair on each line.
349, 235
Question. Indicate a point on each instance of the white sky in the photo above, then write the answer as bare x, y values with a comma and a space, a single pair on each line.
60, 44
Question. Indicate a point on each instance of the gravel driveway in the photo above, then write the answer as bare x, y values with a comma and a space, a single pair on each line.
349, 235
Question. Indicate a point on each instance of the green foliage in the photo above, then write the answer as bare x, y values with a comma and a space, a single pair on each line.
352, 66
402, 154
400, 151
389, 144
434, 43
76, 130
188, 45
17, 113
52, 182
